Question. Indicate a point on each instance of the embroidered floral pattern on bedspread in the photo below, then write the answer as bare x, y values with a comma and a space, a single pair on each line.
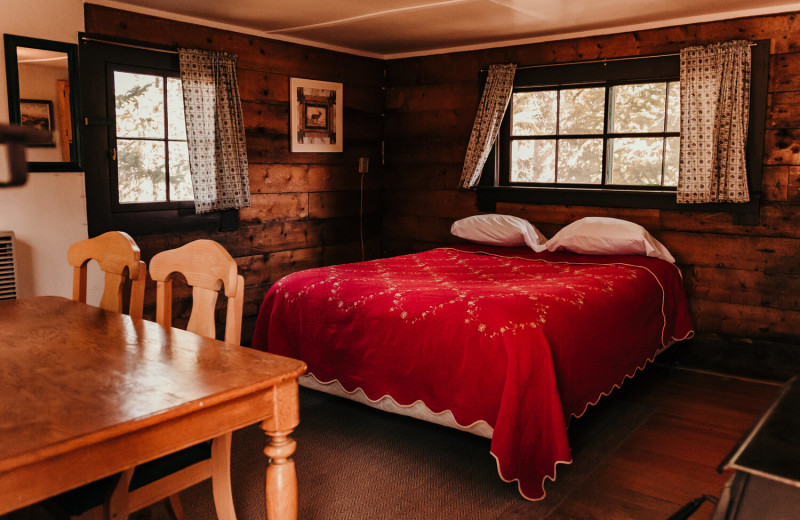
525, 283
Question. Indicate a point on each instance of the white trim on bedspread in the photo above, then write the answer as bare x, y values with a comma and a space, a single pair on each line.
418, 410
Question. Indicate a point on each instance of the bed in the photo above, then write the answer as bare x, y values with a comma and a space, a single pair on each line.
501, 341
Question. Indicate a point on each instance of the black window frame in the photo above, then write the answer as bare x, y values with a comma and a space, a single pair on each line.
493, 186
99, 57
114, 166
605, 135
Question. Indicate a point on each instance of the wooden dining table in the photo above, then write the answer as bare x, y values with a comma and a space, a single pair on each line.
86, 393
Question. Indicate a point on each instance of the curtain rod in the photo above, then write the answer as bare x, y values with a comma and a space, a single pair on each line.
130, 45
603, 60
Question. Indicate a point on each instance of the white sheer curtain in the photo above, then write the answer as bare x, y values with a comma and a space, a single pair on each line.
494, 101
715, 107
214, 130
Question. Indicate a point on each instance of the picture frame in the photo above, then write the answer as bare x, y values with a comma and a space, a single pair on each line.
37, 113
316, 121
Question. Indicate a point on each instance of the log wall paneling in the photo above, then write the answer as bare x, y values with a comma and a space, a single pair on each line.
305, 206
742, 281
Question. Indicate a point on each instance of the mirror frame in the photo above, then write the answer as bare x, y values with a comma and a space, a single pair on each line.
11, 43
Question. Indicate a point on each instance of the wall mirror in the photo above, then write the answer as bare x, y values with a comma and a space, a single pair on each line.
42, 78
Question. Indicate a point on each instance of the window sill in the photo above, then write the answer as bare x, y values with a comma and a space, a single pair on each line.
165, 221
489, 196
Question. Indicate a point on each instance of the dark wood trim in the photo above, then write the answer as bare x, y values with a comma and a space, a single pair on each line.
633, 70
759, 84
489, 196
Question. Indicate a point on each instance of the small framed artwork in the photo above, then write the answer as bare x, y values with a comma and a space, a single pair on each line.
316, 115
37, 113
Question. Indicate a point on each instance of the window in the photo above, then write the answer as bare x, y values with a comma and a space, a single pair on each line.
150, 136
624, 135
604, 134
135, 151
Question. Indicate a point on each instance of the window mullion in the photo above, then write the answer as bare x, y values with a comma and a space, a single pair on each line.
607, 113
664, 141
166, 142
558, 136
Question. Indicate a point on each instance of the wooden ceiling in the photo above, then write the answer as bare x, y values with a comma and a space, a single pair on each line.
400, 28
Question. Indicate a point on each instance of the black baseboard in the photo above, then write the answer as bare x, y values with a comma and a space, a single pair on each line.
752, 358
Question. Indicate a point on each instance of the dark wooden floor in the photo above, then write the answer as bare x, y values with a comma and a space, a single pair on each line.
672, 457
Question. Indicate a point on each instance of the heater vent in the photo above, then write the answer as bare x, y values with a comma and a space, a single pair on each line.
8, 267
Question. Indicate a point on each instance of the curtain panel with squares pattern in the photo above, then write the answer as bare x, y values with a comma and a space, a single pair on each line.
493, 105
214, 130
715, 107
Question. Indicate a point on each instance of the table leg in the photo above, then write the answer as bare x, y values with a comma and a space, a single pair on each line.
281, 476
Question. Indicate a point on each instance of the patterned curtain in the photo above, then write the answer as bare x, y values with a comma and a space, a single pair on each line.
214, 130
496, 95
715, 104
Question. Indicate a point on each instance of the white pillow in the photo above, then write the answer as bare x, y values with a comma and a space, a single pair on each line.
607, 236
499, 230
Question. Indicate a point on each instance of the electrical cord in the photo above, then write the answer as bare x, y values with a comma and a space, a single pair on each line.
688, 510
361, 217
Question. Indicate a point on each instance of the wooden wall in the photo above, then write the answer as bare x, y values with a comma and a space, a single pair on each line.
305, 206
743, 281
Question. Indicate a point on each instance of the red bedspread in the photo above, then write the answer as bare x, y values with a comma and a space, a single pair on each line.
518, 339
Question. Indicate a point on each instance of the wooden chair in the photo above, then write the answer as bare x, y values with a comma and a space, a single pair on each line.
115, 252
207, 267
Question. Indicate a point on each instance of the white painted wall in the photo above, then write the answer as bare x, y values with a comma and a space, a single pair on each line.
49, 212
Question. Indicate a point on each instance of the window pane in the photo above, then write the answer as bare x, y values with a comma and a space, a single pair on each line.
638, 108
635, 161
177, 125
534, 113
674, 107
139, 101
672, 158
580, 161
533, 161
180, 182
582, 111
140, 171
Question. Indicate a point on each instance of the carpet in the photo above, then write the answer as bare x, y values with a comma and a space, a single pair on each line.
354, 462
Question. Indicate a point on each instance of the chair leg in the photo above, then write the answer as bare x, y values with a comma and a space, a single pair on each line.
221, 477
176, 507
117, 504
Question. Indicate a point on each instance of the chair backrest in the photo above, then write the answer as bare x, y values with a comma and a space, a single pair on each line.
115, 252
207, 267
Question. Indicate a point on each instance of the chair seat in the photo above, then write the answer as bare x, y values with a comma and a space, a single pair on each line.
77, 501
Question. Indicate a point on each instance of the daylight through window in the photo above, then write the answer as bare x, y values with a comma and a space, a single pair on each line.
152, 154
609, 135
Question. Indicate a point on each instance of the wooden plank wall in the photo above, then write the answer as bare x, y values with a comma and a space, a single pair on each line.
305, 206
743, 281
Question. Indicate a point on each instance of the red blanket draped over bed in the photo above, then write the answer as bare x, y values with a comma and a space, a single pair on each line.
518, 339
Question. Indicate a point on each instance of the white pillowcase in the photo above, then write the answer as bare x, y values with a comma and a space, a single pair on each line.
607, 236
499, 230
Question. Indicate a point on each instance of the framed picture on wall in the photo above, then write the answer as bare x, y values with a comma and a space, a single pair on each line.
316, 115
37, 113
